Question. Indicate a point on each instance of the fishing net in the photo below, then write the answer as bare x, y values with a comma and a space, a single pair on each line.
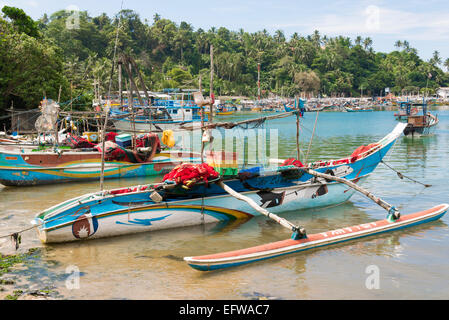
47, 121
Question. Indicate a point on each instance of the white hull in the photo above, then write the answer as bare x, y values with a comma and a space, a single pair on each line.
186, 213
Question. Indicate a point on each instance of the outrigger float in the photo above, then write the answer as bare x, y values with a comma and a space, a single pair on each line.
281, 248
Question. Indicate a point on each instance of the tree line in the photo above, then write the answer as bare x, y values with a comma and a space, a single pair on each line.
61, 55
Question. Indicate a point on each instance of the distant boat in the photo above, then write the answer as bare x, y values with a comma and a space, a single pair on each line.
421, 125
158, 119
358, 109
404, 111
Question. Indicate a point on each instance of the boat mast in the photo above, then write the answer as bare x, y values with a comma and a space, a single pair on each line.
258, 84
119, 63
107, 109
211, 86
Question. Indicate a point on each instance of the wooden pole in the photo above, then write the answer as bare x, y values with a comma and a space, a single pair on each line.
211, 86
391, 209
71, 96
283, 222
298, 153
120, 93
202, 125
59, 94
258, 83
103, 142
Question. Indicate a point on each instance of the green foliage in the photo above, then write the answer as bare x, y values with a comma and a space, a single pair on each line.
21, 21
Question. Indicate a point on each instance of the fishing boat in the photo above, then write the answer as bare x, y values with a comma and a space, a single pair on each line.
158, 119
82, 161
222, 111
39, 168
358, 109
421, 125
405, 110
168, 204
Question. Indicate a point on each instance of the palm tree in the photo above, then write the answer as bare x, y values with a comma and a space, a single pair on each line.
367, 42
446, 64
398, 44
436, 59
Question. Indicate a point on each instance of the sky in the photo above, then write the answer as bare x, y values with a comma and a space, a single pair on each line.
424, 24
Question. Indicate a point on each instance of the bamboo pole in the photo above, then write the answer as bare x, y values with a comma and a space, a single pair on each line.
388, 207
120, 91
298, 152
103, 142
202, 124
211, 86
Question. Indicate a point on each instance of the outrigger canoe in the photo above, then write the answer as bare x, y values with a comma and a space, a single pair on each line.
290, 246
135, 209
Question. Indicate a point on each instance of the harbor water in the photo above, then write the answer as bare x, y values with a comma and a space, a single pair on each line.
408, 264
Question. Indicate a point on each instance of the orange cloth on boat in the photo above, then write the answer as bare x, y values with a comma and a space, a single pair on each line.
360, 150
292, 162
189, 174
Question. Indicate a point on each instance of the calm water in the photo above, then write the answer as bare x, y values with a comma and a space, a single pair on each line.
413, 263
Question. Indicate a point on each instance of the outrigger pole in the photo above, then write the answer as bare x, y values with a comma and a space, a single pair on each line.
393, 213
298, 232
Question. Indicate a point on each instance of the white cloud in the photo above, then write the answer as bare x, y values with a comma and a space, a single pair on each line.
375, 20
32, 3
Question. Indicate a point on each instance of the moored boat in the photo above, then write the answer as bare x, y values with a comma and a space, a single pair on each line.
421, 125
169, 205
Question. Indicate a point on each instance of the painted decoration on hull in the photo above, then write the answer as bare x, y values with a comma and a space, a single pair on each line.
84, 226
142, 222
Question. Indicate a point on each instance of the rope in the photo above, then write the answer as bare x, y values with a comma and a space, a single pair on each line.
311, 138
402, 176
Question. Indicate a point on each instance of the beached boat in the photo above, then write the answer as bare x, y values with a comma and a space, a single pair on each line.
170, 205
38, 168
80, 160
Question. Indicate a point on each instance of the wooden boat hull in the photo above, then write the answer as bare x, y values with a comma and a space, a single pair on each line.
115, 216
425, 129
132, 210
276, 249
27, 169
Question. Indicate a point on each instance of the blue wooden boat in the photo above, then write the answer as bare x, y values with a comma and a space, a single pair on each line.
168, 205
166, 115
28, 168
